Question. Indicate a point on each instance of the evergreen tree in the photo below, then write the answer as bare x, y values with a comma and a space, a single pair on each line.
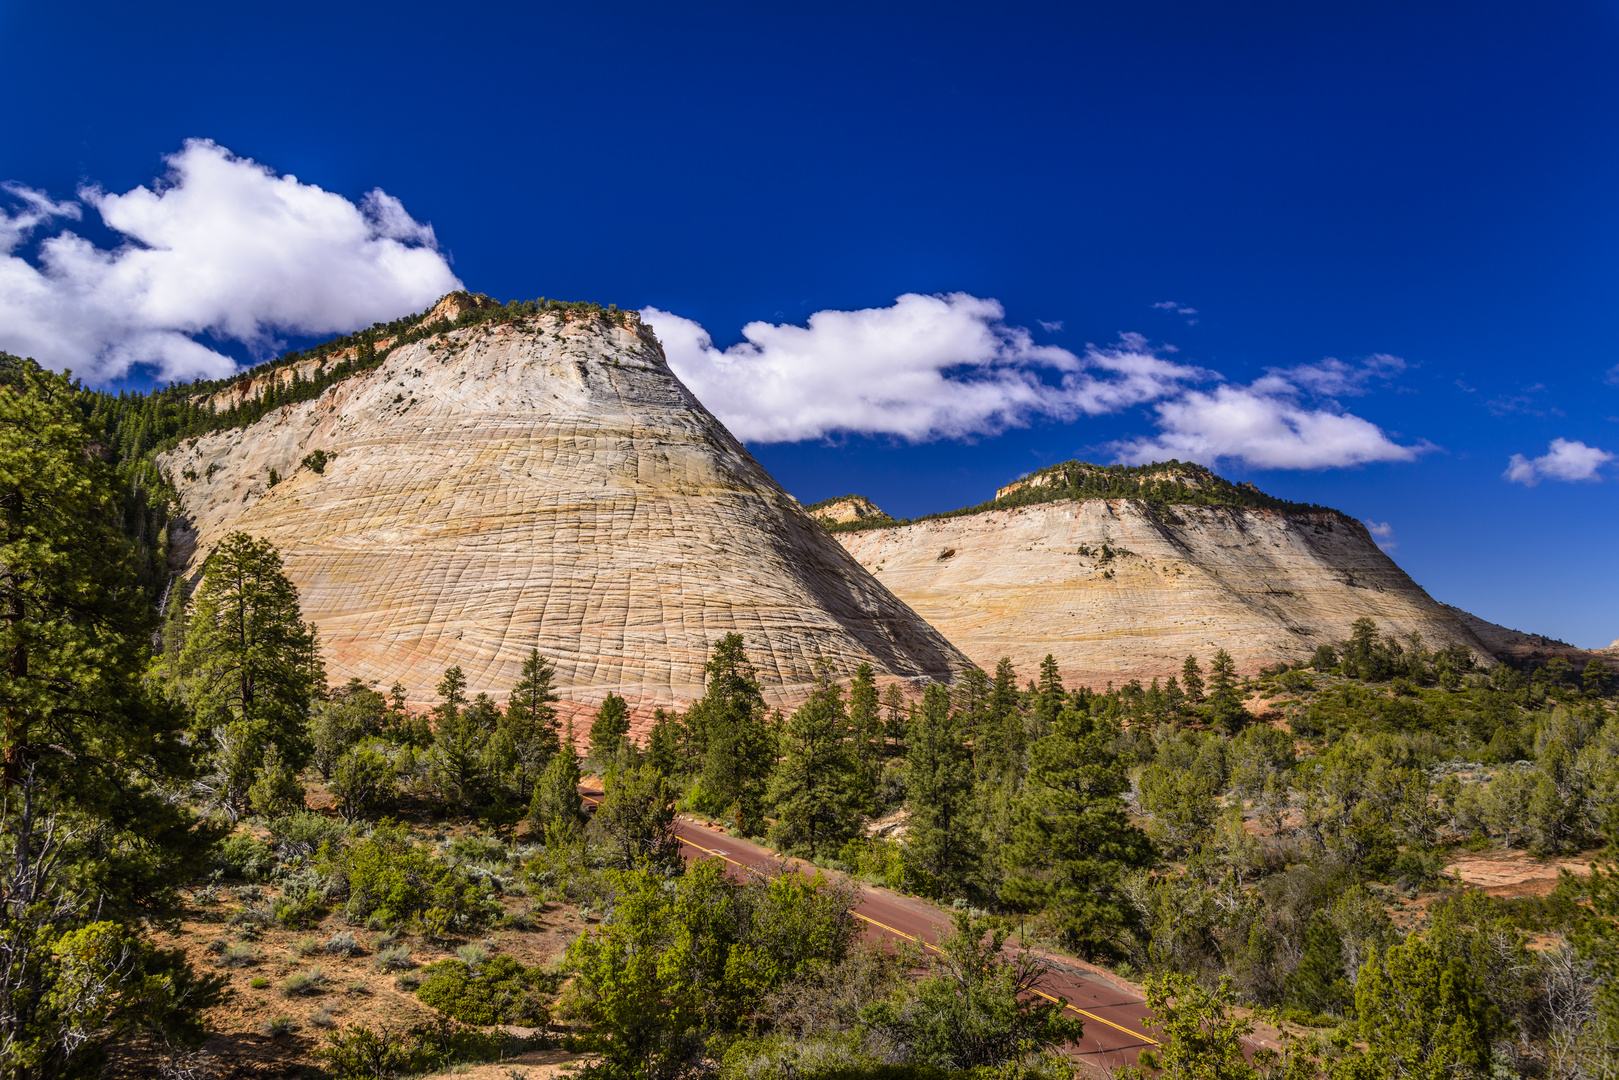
249, 668
636, 821
531, 722
276, 792
1224, 708
92, 843
737, 752
1174, 697
939, 785
663, 744
865, 733
972, 709
813, 789
460, 736
1423, 1016
556, 804
611, 723
894, 705
1001, 758
1072, 840
1192, 681
1049, 697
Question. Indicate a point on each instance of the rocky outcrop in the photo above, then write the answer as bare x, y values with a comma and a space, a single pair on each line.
1534, 648
1116, 589
541, 483
847, 509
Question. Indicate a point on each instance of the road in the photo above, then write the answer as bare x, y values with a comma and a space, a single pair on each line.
1115, 1018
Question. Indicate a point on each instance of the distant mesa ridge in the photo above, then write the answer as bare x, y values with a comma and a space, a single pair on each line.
1120, 572
528, 478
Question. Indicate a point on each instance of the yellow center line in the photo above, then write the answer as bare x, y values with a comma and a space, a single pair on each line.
929, 945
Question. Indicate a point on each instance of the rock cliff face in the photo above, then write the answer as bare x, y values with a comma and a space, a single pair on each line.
542, 483
1117, 591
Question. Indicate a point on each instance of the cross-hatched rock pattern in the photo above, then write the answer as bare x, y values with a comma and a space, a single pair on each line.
1264, 585
547, 483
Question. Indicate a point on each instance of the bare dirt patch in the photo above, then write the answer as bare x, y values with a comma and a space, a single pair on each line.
1515, 873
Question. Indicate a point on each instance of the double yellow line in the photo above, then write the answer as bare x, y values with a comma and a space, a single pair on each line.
929, 945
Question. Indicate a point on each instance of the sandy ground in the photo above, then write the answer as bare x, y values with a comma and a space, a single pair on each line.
1515, 873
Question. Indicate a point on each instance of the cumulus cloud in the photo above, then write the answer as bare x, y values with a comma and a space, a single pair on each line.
1565, 459
1272, 423
931, 367
221, 247
926, 367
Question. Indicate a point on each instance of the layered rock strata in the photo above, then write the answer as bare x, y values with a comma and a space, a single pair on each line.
543, 483
1115, 590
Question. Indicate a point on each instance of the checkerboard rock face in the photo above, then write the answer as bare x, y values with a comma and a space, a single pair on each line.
543, 484
1265, 585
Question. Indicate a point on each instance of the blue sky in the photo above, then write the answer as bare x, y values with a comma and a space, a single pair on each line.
1424, 192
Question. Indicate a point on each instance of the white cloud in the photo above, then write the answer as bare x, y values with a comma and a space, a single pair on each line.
222, 246
931, 367
1612, 377
1053, 327
1264, 426
927, 367
1179, 309
1332, 377
1566, 459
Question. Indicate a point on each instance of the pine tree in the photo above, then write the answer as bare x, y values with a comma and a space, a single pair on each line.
1001, 758
531, 722
865, 733
1224, 708
460, 736
1424, 1015
249, 668
1072, 840
556, 805
1049, 697
611, 723
94, 843
1192, 681
894, 724
939, 784
636, 820
813, 791
972, 694
737, 752
663, 744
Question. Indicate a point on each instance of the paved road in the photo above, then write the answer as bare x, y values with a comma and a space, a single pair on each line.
1115, 1018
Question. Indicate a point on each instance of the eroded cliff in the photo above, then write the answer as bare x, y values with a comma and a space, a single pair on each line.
1118, 589
542, 483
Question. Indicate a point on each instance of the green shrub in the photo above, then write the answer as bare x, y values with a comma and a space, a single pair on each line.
260, 983
393, 958
311, 981
277, 1025
359, 1053
315, 461
499, 991
300, 836
392, 880
244, 856
238, 955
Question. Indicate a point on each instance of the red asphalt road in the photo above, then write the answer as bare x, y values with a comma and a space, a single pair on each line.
1115, 1018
